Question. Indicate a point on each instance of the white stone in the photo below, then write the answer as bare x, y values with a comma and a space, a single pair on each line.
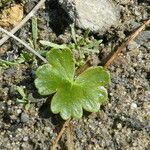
25, 139
133, 105
119, 125
19, 111
97, 15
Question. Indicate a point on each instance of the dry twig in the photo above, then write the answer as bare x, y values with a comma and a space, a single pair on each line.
129, 39
23, 43
65, 125
15, 29
70, 144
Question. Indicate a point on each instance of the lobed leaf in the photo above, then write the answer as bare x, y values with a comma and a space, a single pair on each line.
63, 61
48, 80
72, 99
72, 95
94, 76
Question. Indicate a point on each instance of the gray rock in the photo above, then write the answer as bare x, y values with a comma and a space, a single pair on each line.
133, 45
143, 37
97, 15
24, 118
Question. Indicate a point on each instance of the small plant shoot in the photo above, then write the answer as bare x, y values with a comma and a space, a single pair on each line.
71, 94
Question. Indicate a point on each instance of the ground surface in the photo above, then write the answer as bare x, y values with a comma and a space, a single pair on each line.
122, 124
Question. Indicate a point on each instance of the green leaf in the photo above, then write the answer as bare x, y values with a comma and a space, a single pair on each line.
21, 91
53, 45
34, 28
73, 33
67, 102
48, 80
52, 76
62, 61
72, 95
86, 33
94, 76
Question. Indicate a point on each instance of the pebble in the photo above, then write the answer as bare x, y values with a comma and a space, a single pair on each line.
19, 111
13, 117
19, 130
48, 129
29, 6
143, 37
133, 45
9, 102
134, 144
23, 145
2, 106
24, 118
119, 125
25, 139
133, 105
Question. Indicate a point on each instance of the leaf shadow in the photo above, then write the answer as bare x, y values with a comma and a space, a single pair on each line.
46, 113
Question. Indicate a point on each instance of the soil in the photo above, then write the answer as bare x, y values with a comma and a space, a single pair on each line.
122, 124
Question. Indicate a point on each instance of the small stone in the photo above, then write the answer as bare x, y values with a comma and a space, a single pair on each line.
2, 106
134, 144
133, 105
19, 130
143, 37
25, 139
134, 64
135, 24
10, 136
13, 117
109, 105
29, 6
133, 45
19, 111
124, 2
24, 118
47, 129
9, 102
119, 126
23, 145
111, 94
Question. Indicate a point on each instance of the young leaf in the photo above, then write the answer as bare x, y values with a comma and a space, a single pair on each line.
94, 76
72, 95
53, 45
